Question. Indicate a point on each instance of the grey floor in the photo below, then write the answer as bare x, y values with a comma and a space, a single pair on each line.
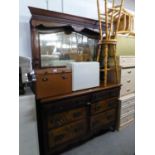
111, 143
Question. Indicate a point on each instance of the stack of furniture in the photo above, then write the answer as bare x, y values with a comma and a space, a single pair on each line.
65, 117
127, 96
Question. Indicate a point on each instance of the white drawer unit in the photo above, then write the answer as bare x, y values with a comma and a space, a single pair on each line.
127, 100
127, 81
126, 110
127, 118
127, 61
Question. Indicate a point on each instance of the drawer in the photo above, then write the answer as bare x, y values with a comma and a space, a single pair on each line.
103, 105
127, 100
65, 104
68, 132
127, 75
101, 95
100, 120
60, 119
127, 109
127, 88
127, 61
127, 118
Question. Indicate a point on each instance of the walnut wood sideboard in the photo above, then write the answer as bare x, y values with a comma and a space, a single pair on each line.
68, 120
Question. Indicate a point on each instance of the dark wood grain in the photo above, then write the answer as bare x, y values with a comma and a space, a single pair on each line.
71, 119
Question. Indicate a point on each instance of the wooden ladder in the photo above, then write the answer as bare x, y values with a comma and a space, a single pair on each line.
110, 37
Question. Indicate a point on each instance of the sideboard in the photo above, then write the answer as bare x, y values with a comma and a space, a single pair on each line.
67, 120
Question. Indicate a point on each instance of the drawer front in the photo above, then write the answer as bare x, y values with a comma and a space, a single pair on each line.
127, 109
68, 132
105, 94
103, 105
127, 61
127, 88
128, 102
98, 121
65, 104
127, 75
60, 119
127, 118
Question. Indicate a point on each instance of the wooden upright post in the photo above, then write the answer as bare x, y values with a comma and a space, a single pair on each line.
100, 30
106, 45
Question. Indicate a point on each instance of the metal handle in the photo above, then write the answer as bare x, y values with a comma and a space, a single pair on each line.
88, 103
128, 90
44, 79
129, 72
64, 77
128, 81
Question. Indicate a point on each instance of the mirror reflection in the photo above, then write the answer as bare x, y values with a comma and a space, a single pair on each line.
59, 48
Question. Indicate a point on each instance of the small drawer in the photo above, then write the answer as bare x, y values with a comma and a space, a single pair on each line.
59, 119
127, 109
127, 74
64, 134
102, 95
103, 105
127, 89
127, 61
128, 101
100, 120
65, 104
127, 119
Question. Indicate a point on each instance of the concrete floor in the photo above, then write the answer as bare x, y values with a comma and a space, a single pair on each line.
111, 143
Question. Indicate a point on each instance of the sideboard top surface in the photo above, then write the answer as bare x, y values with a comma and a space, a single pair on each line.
81, 92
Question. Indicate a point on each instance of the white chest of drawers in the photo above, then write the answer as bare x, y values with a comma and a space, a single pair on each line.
127, 96
127, 81
127, 110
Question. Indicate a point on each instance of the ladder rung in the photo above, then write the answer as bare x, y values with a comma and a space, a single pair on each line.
116, 6
104, 15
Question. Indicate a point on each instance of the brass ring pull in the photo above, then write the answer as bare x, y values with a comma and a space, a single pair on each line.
128, 81
44, 79
129, 72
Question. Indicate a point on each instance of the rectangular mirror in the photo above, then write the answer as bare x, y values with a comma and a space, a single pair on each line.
59, 48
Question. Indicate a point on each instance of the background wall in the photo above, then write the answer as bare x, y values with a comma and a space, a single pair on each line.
84, 8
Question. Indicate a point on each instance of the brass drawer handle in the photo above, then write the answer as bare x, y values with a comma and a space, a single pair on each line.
128, 90
128, 81
64, 77
129, 72
88, 103
44, 79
